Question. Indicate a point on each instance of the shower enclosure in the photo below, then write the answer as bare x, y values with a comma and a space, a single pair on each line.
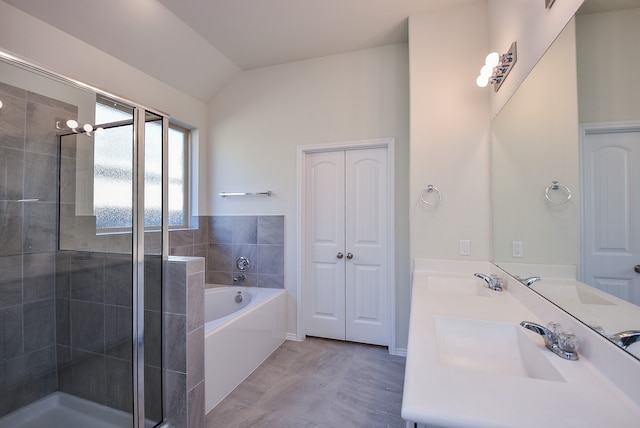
83, 238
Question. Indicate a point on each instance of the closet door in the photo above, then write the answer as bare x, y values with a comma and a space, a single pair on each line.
367, 316
346, 245
324, 228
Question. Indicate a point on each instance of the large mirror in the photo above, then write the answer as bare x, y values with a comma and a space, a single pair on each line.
566, 173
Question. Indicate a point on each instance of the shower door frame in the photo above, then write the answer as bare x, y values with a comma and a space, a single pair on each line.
138, 231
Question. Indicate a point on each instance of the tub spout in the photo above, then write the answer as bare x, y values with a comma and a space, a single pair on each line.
239, 278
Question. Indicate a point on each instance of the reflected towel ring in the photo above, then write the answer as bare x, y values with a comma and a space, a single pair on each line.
555, 186
430, 189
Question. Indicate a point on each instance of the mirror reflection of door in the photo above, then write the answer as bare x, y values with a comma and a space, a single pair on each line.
610, 167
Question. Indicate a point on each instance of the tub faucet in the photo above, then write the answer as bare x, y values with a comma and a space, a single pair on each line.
239, 278
563, 344
625, 338
494, 281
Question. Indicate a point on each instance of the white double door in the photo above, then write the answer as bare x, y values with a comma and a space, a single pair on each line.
346, 247
611, 192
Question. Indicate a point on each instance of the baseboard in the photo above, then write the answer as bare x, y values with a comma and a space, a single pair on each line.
401, 352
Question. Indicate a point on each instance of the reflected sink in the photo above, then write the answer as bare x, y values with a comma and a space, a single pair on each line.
457, 285
491, 347
570, 293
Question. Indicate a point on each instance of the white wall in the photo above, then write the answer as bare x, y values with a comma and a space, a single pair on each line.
262, 116
609, 66
449, 133
533, 27
535, 141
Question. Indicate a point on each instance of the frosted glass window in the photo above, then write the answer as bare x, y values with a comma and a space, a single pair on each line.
113, 172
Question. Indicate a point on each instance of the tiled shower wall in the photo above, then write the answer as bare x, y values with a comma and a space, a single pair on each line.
28, 170
221, 240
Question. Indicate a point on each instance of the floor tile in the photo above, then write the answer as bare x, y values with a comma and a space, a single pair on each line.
318, 383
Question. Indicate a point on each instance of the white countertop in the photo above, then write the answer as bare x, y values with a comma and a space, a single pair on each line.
441, 394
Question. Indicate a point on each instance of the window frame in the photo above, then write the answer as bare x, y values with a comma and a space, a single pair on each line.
186, 168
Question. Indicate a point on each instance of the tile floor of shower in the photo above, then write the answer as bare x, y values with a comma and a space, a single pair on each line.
318, 383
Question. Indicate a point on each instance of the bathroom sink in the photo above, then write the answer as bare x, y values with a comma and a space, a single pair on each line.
491, 347
457, 285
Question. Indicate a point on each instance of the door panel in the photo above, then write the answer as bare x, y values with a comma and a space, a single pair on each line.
324, 271
611, 178
366, 228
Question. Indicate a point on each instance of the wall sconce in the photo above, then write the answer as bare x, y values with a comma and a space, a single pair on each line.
72, 125
497, 67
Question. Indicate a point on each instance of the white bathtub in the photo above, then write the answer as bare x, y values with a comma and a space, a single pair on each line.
237, 342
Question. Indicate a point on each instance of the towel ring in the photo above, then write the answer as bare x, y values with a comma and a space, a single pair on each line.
430, 189
555, 186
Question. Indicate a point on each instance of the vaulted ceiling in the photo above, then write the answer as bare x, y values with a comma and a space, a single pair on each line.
197, 46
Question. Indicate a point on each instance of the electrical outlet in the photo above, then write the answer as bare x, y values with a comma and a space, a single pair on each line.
465, 247
516, 249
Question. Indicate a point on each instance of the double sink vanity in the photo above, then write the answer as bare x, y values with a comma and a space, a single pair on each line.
472, 363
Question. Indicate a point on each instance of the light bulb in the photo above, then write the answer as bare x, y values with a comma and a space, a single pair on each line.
482, 81
486, 71
0, 104
492, 59
72, 124
99, 130
87, 127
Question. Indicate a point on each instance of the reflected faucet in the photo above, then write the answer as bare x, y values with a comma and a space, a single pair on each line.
494, 282
530, 280
563, 345
625, 338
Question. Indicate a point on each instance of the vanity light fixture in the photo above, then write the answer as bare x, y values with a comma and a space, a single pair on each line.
497, 67
72, 125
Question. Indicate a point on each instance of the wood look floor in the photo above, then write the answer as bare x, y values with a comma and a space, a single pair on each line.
318, 383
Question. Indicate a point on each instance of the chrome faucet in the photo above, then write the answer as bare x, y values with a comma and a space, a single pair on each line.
530, 280
238, 278
494, 281
563, 345
625, 338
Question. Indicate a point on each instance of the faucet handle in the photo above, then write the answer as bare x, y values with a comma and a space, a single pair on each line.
568, 342
498, 282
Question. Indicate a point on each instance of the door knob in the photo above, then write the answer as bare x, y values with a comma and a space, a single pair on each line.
349, 256
340, 255
636, 268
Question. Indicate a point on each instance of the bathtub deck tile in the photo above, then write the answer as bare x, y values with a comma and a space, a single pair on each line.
318, 383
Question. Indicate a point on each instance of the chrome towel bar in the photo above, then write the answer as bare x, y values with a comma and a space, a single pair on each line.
225, 194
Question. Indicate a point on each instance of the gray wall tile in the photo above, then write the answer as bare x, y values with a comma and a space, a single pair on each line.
39, 325
40, 227
271, 259
245, 230
11, 173
119, 388
10, 280
271, 229
220, 229
39, 276
118, 333
87, 326
11, 341
11, 227
13, 121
